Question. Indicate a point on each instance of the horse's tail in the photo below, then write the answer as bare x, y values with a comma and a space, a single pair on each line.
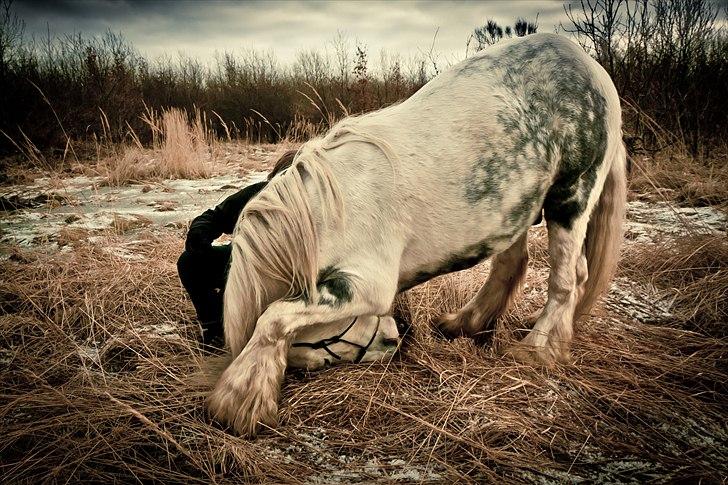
276, 242
604, 232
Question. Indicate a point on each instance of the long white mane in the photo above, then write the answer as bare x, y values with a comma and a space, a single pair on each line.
276, 239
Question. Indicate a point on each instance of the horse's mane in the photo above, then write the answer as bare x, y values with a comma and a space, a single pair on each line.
276, 237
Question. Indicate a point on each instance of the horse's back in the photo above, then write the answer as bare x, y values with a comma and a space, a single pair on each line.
483, 146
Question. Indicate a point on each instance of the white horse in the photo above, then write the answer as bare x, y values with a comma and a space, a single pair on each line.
451, 176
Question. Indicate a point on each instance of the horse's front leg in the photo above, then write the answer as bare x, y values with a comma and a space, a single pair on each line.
246, 395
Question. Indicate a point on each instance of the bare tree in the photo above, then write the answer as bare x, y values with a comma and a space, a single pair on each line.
11, 33
666, 56
491, 32
342, 53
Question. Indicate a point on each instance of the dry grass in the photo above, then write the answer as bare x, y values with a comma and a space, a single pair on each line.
181, 148
93, 392
676, 176
692, 271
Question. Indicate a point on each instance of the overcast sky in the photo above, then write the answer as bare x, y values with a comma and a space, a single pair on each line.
200, 28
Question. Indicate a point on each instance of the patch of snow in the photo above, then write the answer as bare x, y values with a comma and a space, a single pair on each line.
123, 253
82, 202
646, 221
162, 329
89, 354
644, 303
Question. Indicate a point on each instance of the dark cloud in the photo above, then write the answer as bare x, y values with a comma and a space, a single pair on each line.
201, 28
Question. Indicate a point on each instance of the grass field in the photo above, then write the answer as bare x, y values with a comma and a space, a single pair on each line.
100, 366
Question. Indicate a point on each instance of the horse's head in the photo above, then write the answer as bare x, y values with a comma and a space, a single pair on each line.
363, 339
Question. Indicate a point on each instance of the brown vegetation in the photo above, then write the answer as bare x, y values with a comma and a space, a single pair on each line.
669, 59
99, 361
676, 176
181, 148
692, 270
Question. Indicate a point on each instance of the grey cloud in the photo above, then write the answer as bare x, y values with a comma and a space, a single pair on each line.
201, 28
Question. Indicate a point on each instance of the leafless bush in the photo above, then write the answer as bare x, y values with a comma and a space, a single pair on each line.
491, 32
667, 57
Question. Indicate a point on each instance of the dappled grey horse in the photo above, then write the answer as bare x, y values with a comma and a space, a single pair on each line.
451, 176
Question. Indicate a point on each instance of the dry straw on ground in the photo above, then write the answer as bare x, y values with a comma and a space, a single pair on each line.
98, 362
181, 148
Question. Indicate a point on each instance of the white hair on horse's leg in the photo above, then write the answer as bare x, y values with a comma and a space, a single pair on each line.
548, 340
247, 392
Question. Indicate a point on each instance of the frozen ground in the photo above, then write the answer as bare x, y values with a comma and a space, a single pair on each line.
87, 207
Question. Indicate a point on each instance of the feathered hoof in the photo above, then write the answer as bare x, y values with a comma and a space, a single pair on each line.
244, 404
450, 325
536, 356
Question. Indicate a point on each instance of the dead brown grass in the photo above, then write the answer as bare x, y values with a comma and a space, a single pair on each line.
98, 363
181, 148
675, 176
693, 271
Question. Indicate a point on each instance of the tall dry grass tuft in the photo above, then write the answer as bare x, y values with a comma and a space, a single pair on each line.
131, 164
181, 148
185, 151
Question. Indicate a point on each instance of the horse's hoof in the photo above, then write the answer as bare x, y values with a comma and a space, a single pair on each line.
449, 326
244, 403
530, 355
246, 419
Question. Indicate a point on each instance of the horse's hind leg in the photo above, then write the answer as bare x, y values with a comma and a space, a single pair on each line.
479, 315
550, 337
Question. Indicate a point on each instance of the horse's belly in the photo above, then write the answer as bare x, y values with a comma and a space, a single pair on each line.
451, 248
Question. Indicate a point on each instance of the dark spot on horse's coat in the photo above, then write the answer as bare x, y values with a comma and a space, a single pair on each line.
523, 210
485, 179
337, 285
465, 259
568, 196
554, 124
